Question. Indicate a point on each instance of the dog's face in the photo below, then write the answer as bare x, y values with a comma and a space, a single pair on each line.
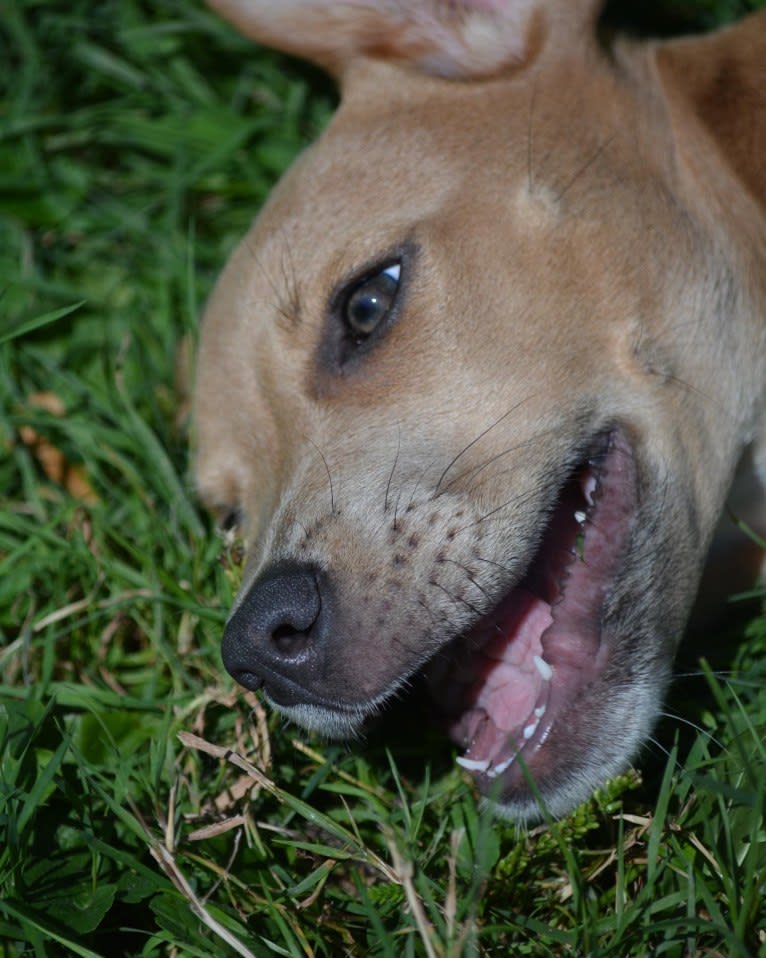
450, 382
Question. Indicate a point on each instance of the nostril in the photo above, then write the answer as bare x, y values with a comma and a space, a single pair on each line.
289, 641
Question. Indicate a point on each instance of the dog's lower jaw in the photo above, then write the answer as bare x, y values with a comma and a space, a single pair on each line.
614, 743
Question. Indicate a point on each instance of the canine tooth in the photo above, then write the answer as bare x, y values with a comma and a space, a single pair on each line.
588, 489
580, 516
543, 668
472, 764
530, 730
539, 711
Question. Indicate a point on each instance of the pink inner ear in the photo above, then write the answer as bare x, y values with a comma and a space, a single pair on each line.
460, 39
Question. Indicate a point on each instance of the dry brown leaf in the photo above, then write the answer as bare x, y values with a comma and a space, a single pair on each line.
53, 462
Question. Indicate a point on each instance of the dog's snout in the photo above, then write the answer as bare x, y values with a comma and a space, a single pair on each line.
277, 635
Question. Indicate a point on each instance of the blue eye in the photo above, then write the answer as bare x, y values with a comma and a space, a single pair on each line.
369, 302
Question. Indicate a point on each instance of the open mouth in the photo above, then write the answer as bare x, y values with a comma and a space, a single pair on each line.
528, 664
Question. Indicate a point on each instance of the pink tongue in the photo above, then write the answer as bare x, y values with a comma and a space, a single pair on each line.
508, 685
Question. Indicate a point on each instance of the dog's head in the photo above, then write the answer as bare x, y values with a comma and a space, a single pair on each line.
477, 379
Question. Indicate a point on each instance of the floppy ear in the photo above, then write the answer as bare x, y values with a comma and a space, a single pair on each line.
462, 39
717, 83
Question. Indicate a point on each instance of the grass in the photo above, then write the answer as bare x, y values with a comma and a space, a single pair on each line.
146, 806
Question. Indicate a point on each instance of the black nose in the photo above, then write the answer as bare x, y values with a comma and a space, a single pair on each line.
277, 636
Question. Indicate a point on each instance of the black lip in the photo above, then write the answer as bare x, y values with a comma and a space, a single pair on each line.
286, 694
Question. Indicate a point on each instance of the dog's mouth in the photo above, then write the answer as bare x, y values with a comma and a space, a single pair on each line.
528, 664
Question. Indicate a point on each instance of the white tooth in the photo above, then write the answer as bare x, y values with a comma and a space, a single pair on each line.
499, 769
530, 730
589, 487
580, 517
540, 711
543, 668
472, 764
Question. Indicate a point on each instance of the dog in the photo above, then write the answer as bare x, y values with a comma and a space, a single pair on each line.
478, 381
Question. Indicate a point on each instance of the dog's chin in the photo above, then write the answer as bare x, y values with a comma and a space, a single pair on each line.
328, 722
338, 721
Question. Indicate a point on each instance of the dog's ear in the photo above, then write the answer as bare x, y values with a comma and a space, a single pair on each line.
461, 39
717, 84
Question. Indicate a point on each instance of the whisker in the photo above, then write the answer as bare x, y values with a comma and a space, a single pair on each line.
329, 475
498, 565
423, 471
455, 598
473, 442
586, 166
675, 717
724, 675
471, 579
520, 500
393, 469
677, 766
440, 624
396, 511
506, 452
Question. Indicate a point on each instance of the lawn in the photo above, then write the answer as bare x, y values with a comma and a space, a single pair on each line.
147, 806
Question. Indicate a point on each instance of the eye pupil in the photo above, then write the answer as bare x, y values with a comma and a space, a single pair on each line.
369, 303
365, 311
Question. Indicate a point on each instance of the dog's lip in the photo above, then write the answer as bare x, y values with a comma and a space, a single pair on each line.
524, 667
284, 693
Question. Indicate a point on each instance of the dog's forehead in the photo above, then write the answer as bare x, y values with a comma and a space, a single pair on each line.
397, 159
405, 150
382, 164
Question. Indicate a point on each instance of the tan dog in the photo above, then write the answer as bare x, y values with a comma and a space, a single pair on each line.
479, 377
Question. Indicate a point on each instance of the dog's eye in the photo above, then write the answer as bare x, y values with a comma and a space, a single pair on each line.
368, 304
